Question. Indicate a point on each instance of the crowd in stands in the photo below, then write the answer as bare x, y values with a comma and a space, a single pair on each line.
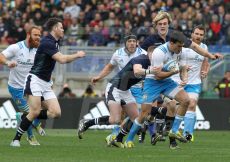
105, 22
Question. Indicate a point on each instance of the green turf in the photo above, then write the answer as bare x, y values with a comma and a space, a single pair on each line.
63, 146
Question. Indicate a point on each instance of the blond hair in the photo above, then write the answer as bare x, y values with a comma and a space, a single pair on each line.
161, 15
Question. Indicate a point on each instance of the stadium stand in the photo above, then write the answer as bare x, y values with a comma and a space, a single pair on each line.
104, 23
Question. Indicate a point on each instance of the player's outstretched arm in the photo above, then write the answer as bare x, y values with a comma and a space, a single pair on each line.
63, 59
105, 71
204, 52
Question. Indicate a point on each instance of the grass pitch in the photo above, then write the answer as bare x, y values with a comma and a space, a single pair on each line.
64, 146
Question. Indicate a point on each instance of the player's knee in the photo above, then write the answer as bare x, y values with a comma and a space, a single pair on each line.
133, 115
55, 114
114, 120
192, 105
34, 113
185, 102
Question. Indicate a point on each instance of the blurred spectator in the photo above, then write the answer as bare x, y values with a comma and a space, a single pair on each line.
223, 86
207, 14
197, 6
184, 4
16, 31
215, 28
72, 9
221, 14
103, 11
89, 92
169, 6
143, 31
38, 19
110, 21
199, 19
67, 21
96, 20
226, 29
3, 32
96, 38
116, 32
75, 31
66, 92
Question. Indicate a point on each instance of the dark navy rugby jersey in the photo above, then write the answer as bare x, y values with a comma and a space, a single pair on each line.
43, 62
153, 40
156, 40
124, 79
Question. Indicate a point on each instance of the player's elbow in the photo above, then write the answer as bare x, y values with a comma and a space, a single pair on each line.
136, 72
157, 77
62, 60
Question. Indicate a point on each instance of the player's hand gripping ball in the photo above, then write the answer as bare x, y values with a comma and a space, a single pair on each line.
171, 66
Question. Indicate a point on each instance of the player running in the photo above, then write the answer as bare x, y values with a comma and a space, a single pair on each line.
118, 94
19, 58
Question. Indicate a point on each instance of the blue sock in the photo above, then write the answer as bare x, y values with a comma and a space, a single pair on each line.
29, 131
18, 117
194, 122
151, 129
135, 128
36, 122
176, 124
116, 130
189, 122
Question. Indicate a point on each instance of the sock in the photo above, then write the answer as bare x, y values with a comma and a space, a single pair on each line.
189, 121
160, 125
36, 122
121, 135
154, 111
169, 122
124, 131
151, 129
136, 126
24, 116
18, 118
194, 123
29, 131
104, 120
25, 124
172, 140
176, 123
42, 115
162, 111
116, 130
158, 110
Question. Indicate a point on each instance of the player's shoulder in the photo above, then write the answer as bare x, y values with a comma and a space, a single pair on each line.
140, 51
162, 49
120, 52
204, 46
141, 58
16, 46
46, 42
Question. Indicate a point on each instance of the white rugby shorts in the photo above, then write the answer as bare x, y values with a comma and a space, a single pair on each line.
37, 87
114, 95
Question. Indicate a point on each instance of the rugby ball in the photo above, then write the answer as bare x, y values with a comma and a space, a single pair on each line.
171, 65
